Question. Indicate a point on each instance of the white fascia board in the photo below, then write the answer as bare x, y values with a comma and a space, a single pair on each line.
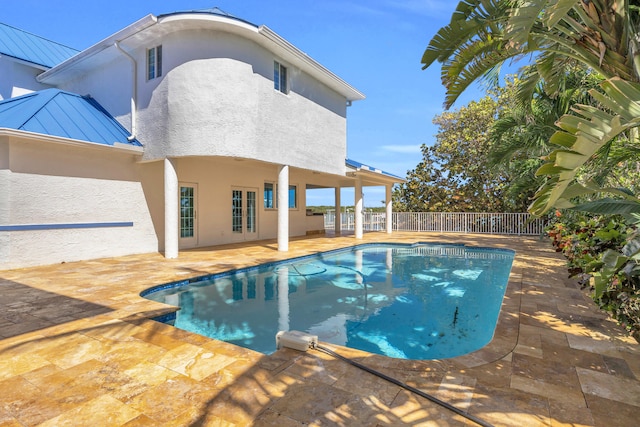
33, 136
230, 24
374, 175
311, 66
50, 75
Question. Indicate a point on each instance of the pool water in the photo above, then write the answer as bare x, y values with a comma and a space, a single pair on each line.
420, 301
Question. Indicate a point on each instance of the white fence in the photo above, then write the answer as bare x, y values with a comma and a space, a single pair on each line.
444, 222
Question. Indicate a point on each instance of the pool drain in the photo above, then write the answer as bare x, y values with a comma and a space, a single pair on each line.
302, 341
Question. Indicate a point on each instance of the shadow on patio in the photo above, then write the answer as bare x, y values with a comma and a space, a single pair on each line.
26, 309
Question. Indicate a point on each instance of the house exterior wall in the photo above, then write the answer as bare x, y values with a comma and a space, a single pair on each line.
216, 97
214, 113
5, 207
47, 184
17, 78
110, 85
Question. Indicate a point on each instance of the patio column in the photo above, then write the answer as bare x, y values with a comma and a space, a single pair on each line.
358, 208
283, 208
170, 209
389, 214
338, 221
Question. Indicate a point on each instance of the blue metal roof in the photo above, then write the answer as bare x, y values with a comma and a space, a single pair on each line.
362, 166
58, 113
31, 48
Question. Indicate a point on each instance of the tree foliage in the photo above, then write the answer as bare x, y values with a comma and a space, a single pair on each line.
455, 174
520, 136
598, 35
483, 34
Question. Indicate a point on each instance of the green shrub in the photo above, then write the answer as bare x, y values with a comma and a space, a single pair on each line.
603, 252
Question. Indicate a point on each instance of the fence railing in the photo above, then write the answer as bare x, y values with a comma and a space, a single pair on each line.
444, 222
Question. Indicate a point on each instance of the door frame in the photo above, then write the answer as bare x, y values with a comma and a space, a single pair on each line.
245, 234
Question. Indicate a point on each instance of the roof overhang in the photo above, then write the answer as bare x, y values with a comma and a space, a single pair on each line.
39, 137
370, 175
151, 27
89, 58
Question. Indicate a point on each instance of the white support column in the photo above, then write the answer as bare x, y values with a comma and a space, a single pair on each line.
170, 210
389, 214
283, 209
338, 221
358, 208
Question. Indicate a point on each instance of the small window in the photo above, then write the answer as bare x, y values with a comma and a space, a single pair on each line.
271, 202
154, 62
293, 197
268, 195
280, 77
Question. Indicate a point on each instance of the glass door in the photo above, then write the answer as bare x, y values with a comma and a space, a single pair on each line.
244, 213
188, 215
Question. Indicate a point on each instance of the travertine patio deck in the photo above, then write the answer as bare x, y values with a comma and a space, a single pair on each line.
77, 349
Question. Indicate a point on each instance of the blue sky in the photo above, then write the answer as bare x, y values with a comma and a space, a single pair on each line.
375, 45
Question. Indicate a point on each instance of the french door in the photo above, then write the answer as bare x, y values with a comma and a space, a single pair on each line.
244, 213
188, 205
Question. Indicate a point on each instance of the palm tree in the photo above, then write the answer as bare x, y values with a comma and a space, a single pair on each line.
483, 34
600, 35
520, 136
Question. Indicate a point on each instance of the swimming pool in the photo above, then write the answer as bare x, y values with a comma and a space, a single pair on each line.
421, 301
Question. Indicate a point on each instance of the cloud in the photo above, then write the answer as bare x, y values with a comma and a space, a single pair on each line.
404, 149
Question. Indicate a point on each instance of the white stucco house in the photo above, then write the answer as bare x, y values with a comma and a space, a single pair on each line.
182, 130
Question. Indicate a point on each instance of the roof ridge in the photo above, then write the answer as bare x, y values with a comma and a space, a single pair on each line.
43, 97
49, 94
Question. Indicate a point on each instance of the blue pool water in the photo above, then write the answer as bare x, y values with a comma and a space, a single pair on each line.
420, 301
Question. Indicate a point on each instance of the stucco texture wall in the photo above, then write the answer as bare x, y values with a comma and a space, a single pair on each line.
17, 79
50, 184
216, 98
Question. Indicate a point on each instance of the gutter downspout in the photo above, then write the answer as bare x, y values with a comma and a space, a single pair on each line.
134, 92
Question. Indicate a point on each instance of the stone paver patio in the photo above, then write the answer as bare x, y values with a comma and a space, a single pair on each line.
77, 348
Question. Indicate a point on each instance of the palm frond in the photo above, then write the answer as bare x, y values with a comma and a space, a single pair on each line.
521, 21
557, 11
584, 135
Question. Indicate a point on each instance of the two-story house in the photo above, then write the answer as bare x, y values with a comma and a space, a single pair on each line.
183, 130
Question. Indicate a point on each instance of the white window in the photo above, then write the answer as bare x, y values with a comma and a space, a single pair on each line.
280, 77
154, 62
